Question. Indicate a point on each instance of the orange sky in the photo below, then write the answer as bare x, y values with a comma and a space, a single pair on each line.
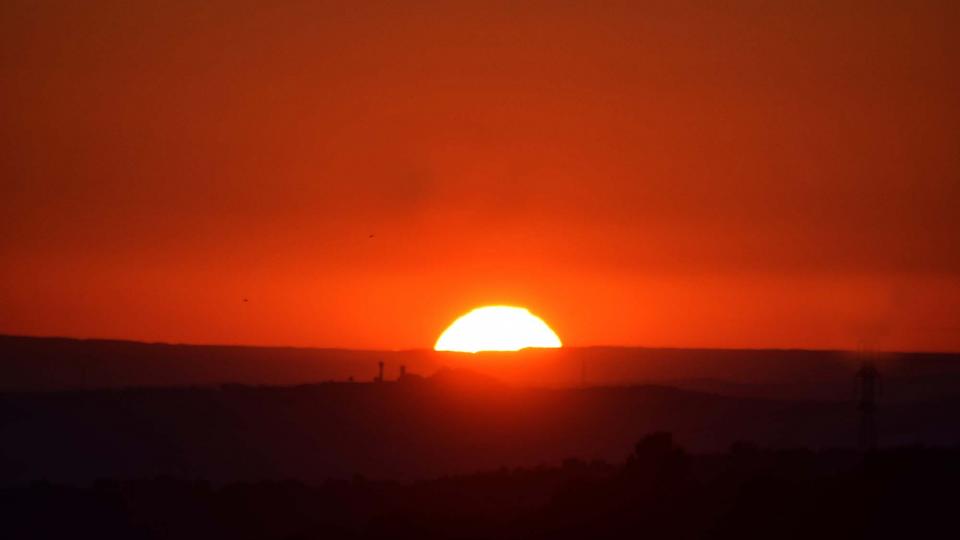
636, 173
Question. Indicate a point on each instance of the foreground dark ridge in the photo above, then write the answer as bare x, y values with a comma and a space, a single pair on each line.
659, 492
454, 422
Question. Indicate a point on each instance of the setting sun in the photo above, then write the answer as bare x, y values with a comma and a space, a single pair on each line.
497, 328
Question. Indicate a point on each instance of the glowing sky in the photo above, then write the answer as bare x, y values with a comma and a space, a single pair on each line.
637, 173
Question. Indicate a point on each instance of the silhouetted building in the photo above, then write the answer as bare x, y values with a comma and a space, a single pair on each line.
380, 374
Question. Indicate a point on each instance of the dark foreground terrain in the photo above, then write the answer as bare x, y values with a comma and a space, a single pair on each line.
659, 492
86, 450
455, 422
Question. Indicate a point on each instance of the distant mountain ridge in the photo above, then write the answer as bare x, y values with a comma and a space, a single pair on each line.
50, 364
77, 410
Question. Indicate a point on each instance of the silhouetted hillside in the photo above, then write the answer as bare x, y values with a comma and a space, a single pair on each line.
660, 491
251, 459
455, 422
45, 364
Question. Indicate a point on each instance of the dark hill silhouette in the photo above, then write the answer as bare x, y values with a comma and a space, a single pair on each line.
659, 490
466, 380
49, 364
229, 413
127, 440
455, 422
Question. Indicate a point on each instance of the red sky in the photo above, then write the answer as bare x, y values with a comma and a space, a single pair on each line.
637, 173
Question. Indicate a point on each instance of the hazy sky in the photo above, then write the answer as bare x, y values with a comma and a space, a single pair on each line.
735, 174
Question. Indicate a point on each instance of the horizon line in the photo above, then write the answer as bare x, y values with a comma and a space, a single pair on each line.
431, 350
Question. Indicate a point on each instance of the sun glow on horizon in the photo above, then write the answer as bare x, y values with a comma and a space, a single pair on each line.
497, 328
